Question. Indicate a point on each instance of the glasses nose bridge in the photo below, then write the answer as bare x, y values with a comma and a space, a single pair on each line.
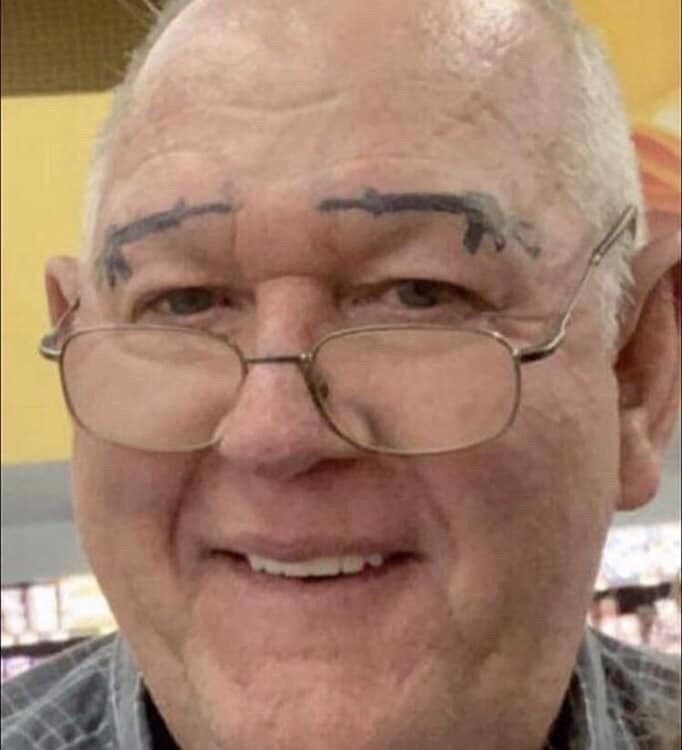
302, 360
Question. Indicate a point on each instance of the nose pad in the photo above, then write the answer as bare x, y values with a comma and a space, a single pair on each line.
354, 417
318, 383
274, 427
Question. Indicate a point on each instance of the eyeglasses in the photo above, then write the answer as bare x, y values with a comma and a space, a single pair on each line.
396, 389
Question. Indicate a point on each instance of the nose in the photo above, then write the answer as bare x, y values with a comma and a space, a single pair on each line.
274, 429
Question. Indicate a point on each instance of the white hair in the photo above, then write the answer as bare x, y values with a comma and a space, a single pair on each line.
597, 160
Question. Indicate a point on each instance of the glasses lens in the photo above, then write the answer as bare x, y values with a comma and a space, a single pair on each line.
151, 389
417, 390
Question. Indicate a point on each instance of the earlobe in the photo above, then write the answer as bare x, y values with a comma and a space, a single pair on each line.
648, 371
61, 285
640, 463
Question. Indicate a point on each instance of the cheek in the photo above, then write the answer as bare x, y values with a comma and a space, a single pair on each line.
525, 516
126, 504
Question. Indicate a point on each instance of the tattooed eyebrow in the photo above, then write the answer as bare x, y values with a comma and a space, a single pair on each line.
481, 211
111, 265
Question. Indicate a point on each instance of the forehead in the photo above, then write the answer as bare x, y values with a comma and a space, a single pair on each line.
283, 91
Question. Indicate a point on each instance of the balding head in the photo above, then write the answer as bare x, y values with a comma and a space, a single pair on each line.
316, 85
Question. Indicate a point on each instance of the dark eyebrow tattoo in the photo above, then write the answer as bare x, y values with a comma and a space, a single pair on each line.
482, 212
111, 265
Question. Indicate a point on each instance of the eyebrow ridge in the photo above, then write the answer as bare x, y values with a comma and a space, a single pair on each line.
482, 212
112, 265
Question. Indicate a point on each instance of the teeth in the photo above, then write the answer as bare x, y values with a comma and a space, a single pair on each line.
317, 567
376, 561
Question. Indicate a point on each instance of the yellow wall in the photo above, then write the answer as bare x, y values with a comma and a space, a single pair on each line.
642, 38
45, 150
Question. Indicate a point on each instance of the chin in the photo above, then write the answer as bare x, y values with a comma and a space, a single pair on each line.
318, 706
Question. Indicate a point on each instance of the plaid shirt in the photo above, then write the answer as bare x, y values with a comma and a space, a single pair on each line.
92, 697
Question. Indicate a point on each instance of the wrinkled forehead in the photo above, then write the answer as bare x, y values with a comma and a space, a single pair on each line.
226, 70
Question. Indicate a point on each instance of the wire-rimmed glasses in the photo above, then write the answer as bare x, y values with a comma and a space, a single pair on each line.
398, 389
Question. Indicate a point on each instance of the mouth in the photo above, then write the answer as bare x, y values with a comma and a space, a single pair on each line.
283, 585
346, 568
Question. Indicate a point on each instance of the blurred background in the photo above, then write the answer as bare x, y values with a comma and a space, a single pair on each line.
60, 59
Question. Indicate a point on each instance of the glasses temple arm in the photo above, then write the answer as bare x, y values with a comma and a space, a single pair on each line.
49, 347
627, 221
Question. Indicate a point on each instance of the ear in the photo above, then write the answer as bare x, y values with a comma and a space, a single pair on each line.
648, 364
61, 285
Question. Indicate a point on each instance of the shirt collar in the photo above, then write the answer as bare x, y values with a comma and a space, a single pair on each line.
127, 695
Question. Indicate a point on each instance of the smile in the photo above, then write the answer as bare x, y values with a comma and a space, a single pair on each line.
317, 567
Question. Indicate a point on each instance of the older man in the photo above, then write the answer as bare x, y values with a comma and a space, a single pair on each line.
356, 389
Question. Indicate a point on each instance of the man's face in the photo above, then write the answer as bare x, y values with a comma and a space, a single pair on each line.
469, 640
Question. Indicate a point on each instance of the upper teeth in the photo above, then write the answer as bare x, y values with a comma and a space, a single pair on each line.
317, 567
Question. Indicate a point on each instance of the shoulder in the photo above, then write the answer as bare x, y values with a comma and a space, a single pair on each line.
643, 687
641, 668
62, 704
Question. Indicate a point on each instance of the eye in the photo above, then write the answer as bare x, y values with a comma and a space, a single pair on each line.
424, 293
187, 301
426, 300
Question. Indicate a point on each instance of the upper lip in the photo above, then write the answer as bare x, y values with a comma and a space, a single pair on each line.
305, 548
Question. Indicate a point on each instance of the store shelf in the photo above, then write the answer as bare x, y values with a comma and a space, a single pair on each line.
636, 556
41, 649
42, 618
